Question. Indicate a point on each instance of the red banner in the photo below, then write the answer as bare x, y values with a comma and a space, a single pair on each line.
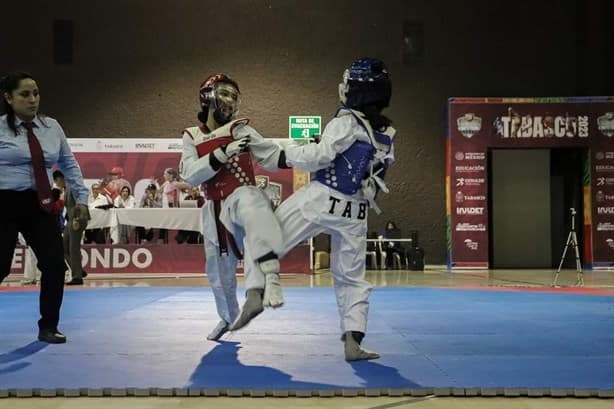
477, 124
144, 160
169, 258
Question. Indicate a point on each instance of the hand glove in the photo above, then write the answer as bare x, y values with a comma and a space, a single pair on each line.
316, 138
238, 146
223, 153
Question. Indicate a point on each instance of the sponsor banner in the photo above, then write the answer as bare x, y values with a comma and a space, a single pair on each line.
476, 125
143, 161
125, 145
144, 167
158, 258
602, 194
526, 125
469, 193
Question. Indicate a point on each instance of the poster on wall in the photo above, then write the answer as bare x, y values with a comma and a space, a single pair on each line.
143, 162
476, 125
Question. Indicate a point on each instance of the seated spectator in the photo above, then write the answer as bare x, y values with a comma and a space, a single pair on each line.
196, 194
172, 188
115, 181
96, 201
151, 199
127, 201
392, 247
188, 236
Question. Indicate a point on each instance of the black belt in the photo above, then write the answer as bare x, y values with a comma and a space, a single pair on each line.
224, 237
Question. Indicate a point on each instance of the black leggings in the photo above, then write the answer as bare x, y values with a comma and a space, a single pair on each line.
20, 212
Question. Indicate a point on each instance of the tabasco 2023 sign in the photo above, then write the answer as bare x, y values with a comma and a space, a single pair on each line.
477, 124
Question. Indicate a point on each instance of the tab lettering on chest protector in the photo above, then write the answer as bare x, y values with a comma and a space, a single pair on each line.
351, 209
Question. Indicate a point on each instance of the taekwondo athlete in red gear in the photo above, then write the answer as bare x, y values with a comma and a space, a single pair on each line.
237, 215
349, 162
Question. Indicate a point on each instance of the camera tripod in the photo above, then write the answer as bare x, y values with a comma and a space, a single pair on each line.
572, 241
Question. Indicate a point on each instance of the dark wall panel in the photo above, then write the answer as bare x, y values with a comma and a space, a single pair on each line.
137, 65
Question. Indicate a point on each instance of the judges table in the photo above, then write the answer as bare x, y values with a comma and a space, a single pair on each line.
175, 218
154, 258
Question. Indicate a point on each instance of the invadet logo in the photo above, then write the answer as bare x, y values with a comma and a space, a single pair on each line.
605, 124
516, 125
469, 124
463, 211
140, 145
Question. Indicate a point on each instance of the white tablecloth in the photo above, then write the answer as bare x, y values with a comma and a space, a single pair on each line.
101, 218
168, 218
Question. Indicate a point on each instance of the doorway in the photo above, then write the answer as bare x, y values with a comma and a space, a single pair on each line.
531, 194
520, 210
567, 170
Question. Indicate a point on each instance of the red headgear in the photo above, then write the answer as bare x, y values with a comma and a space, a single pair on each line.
116, 170
206, 93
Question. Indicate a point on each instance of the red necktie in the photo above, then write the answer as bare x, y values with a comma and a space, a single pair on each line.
43, 189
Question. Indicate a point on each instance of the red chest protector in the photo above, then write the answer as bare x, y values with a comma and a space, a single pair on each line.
236, 172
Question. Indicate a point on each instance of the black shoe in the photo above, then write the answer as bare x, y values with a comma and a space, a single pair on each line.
84, 273
51, 336
75, 281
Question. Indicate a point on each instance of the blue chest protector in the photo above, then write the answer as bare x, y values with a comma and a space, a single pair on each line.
347, 171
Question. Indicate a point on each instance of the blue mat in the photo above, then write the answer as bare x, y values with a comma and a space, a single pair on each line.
428, 338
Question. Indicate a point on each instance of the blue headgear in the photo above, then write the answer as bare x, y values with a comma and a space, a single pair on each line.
366, 82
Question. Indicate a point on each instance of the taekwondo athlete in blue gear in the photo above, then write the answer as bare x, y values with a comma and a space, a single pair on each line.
350, 161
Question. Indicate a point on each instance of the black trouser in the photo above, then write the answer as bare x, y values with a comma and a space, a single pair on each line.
390, 252
187, 236
20, 212
94, 236
142, 234
72, 246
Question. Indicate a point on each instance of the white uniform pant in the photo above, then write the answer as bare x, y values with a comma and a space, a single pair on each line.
247, 214
316, 209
